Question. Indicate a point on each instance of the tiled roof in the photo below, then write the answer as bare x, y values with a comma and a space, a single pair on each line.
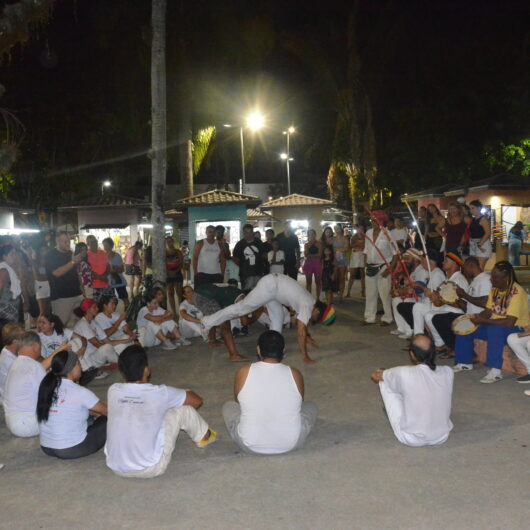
214, 197
106, 201
256, 213
297, 200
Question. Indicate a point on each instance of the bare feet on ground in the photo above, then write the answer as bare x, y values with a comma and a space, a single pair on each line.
238, 359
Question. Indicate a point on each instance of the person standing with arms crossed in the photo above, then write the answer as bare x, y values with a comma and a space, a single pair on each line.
209, 261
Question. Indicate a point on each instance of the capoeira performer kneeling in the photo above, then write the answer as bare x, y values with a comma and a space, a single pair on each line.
273, 291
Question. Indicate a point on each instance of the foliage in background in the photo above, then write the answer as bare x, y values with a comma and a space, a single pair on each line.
512, 158
201, 143
6, 183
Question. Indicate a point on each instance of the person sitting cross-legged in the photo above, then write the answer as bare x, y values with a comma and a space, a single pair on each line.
144, 420
156, 325
506, 313
72, 418
112, 325
22, 386
11, 335
417, 398
269, 415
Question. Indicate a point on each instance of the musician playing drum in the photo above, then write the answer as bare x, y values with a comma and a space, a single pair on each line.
506, 312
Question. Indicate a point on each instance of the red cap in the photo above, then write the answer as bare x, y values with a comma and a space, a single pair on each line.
380, 216
86, 304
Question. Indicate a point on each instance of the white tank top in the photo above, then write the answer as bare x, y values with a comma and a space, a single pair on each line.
270, 409
209, 258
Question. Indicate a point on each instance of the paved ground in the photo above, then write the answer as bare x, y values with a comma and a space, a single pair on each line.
352, 474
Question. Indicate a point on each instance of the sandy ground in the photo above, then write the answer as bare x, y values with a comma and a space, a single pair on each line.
352, 473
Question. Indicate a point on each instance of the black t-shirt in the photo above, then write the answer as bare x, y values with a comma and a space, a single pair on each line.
64, 286
290, 246
250, 256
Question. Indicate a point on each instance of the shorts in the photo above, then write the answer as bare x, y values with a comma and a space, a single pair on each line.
475, 251
340, 259
357, 260
42, 289
175, 279
133, 270
312, 266
122, 292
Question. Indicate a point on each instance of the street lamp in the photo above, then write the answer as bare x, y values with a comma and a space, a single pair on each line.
254, 121
105, 184
286, 156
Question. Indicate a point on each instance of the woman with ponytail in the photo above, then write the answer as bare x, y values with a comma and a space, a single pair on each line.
418, 397
65, 412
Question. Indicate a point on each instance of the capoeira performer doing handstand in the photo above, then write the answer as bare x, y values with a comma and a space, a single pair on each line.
273, 291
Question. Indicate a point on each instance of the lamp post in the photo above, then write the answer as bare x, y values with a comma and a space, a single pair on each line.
254, 121
105, 184
287, 156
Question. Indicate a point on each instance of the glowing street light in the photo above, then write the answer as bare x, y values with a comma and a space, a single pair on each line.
105, 184
286, 156
255, 120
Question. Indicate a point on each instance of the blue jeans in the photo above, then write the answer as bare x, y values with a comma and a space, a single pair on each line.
514, 251
494, 334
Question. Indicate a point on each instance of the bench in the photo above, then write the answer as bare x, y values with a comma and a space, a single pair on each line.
525, 253
510, 361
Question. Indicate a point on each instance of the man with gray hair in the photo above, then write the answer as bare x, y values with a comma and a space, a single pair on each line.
22, 386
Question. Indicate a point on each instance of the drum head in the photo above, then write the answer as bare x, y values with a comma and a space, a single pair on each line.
463, 325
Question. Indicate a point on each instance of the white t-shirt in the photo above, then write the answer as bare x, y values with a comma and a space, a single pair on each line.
191, 309
426, 396
462, 282
419, 274
480, 286
280, 256
399, 234
437, 278
6, 360
49, 343
291, 294
22, 386
383, 244
67, 421
89, 330
141, 321
135, 428
104, 322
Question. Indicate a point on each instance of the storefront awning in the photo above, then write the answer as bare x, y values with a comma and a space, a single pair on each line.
104, 226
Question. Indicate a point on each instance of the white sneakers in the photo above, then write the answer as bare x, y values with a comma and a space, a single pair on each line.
183, 342
462, 367
527, 392
168, 345
395, 332
492, 376
405, 336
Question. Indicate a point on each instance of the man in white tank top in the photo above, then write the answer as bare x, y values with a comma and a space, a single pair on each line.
269, 415
209, 259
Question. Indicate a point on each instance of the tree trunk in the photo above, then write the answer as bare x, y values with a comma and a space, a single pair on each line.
158, 136
185, 151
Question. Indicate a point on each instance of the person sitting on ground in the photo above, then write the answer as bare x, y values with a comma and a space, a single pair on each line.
418, 398
156, 326
145, 420
190, 315
52, 335
11, 336
98, 351
63, 411
273, 291
506, 313
112, 325
472, 301
269, 415
406, 294
22, 386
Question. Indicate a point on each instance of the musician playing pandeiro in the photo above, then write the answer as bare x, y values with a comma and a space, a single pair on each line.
506, 312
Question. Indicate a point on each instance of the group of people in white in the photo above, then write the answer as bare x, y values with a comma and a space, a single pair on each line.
140, 422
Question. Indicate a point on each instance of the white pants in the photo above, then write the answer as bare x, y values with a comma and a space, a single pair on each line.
185, 418
521, 348
378, 286
147, 335
23, 424
264, 294
401, 323
189, 330
104, 355
394, 410
64, 307
419, 311
120, 335
438, 341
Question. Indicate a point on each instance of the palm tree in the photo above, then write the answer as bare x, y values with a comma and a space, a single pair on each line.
158, 135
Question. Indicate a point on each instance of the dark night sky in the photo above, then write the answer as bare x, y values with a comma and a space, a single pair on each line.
446, 81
